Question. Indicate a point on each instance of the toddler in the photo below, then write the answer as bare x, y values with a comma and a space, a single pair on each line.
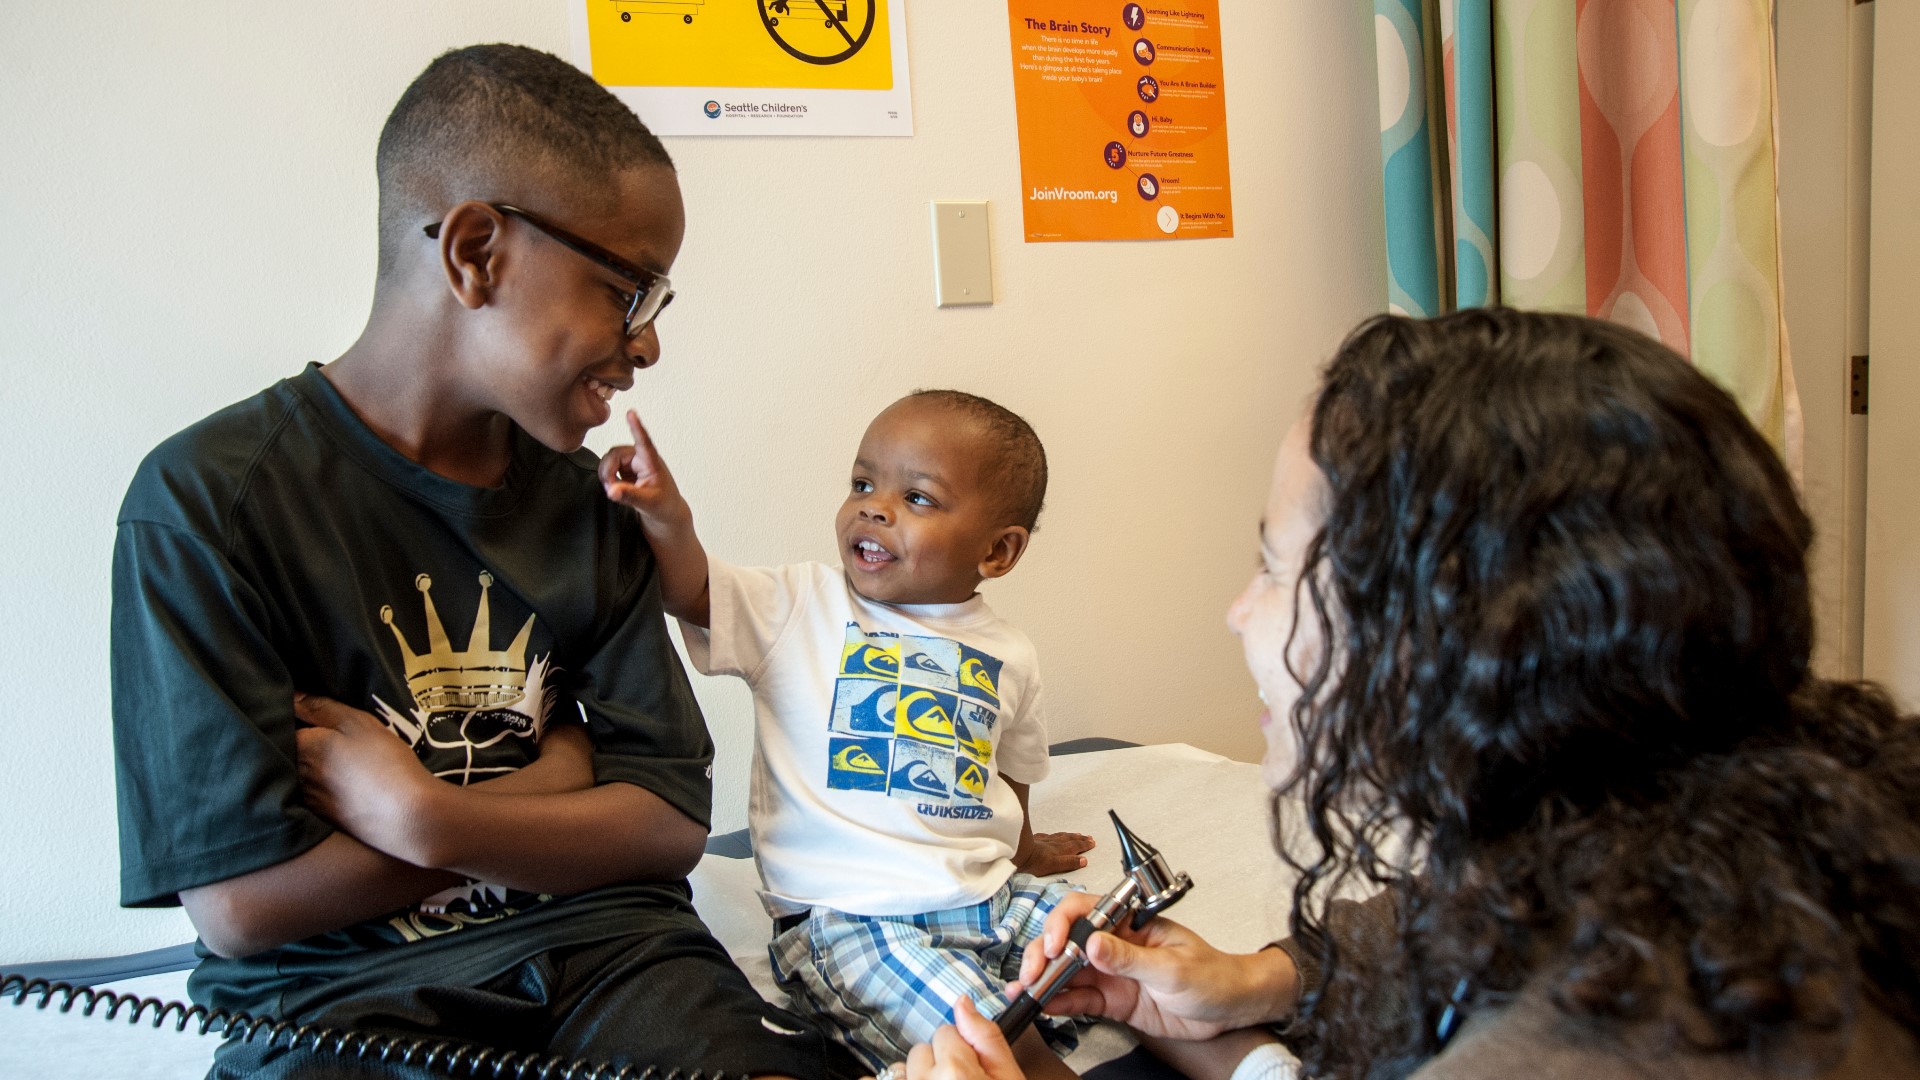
898, 723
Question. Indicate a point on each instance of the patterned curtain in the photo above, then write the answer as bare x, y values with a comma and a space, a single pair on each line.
1605, 157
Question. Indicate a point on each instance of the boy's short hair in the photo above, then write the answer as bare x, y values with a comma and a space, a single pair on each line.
1018, 470
486, 119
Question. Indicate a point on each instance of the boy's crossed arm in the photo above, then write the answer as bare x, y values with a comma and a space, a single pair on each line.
405, 834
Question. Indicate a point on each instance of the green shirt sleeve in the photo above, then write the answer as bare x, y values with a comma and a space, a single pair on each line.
202, 721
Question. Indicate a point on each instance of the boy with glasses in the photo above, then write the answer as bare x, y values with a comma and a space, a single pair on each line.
359, 619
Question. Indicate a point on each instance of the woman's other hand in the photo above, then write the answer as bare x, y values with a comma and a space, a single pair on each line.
1164, 979
970, 1048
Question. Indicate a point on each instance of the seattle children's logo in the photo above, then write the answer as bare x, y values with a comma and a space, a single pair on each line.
713, 110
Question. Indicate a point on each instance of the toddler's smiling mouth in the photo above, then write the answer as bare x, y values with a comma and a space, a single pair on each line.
871, 553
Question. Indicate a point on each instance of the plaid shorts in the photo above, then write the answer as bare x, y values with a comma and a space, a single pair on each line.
882, 983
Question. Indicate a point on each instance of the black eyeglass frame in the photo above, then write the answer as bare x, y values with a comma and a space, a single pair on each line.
653, 291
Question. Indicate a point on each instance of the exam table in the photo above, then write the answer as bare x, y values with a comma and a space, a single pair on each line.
1207, 814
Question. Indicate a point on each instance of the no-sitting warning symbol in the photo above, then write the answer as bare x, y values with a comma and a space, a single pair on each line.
773, 43
816, 31
842, 63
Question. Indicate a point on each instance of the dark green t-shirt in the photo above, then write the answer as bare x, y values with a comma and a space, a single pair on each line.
280, 545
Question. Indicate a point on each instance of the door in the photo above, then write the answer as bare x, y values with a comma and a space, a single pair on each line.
1891, 630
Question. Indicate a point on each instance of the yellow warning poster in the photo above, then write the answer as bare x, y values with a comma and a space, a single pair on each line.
1123, 119
751, 67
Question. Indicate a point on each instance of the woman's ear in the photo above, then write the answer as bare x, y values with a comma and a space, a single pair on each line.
1008, 545
470, 251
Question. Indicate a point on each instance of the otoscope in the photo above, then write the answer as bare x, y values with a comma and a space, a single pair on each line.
1149, 888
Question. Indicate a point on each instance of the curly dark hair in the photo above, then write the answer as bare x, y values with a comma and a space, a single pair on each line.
1567, 708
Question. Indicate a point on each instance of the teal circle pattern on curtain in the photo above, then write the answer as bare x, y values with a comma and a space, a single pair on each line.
1407, 161
1468, 50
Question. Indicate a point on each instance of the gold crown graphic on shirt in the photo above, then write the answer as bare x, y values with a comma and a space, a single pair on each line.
442, 679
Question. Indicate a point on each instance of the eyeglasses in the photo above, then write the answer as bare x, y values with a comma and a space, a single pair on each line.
652, 291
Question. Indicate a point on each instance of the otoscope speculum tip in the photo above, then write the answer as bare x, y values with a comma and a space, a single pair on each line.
1134, 852
1159, 887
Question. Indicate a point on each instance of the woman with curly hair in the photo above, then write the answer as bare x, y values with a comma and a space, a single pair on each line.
1532, 621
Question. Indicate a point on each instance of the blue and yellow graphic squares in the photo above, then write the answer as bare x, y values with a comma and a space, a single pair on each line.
973, 731
969, 779
864, 706
920, 772
858, 764
925, 716
979, 676
931, 662
862, 658
913, 717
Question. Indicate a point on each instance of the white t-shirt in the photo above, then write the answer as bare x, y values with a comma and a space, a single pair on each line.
880, 734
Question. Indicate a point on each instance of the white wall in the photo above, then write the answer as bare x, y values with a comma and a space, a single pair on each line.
186, 215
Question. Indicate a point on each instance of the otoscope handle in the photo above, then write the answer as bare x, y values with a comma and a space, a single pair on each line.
1026, 1008
1023, 1012
1082, 929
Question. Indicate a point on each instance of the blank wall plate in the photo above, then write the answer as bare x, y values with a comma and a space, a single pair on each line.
962, 263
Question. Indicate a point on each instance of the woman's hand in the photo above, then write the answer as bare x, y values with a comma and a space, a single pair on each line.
1164, 979
971, 1048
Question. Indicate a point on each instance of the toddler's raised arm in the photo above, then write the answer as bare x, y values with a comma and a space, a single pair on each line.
635, 476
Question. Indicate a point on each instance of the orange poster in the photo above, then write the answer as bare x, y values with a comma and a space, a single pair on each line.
1123, 119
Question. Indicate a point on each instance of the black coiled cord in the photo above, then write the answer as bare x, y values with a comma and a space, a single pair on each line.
450, 1056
